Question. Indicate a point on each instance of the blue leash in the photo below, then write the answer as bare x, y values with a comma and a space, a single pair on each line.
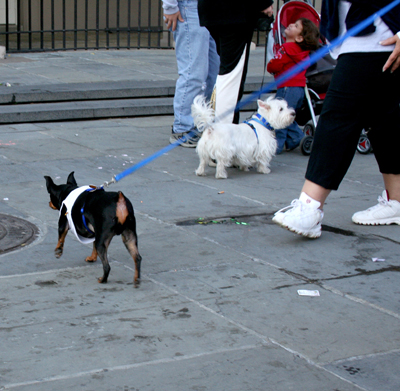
145, 161
315, 56
267, 88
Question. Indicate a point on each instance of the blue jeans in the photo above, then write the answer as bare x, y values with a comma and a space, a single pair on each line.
292, 135
198, 64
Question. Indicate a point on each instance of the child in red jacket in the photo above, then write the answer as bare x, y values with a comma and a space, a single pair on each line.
301, 37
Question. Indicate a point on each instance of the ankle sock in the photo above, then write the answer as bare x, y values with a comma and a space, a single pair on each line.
306, 199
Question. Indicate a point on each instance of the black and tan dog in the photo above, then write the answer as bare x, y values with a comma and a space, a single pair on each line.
94, 215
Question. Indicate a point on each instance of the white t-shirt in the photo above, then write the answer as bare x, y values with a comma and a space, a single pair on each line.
365, 44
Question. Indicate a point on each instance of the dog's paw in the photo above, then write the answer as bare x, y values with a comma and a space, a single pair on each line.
58, 252
102, 280
200, 172
221, 176
90, 259
263, 170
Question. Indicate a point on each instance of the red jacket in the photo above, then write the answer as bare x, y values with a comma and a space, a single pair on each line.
288, 55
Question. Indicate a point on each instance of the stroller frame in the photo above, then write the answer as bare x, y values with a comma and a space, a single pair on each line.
318, 75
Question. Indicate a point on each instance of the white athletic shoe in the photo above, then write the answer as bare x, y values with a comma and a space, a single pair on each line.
302, 217
384, 213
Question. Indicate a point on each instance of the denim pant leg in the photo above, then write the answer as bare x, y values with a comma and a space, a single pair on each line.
292, 135
198, 64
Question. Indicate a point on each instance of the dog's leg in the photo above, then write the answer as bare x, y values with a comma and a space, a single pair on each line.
129, 239
93, 256
62, 233
221, 171
201, 169
102, 244
263, 169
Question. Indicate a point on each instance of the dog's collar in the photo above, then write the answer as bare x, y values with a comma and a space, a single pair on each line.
83, 214
261, 120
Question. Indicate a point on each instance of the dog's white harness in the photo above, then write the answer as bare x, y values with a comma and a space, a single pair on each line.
69, 203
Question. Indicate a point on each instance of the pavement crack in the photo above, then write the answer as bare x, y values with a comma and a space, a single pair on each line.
363, 272
320, 281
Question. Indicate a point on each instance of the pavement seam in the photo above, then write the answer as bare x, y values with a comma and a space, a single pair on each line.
253, 259
360, 301
126, 367
266, 340
44, 272
361, 357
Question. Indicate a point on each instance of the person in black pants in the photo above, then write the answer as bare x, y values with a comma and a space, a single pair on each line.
364, 92
231, 23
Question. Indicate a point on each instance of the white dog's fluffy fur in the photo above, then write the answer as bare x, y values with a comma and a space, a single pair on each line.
231, 144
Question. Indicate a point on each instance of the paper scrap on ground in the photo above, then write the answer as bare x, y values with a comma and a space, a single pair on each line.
378, 260
304, 292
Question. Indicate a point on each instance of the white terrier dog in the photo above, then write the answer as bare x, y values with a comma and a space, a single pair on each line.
251, 143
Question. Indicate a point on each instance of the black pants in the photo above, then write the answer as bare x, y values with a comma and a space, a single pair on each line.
360, 96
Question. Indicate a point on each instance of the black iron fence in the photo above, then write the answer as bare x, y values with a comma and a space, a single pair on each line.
43, 25
47, 25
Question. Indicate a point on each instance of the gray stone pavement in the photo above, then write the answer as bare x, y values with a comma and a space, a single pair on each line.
218, 307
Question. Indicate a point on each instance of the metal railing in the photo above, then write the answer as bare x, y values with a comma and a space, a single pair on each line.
48, 25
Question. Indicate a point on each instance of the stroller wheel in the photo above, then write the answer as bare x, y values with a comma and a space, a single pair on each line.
306, 145
308, 130
364, 145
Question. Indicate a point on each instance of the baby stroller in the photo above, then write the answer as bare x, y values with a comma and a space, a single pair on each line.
318, 75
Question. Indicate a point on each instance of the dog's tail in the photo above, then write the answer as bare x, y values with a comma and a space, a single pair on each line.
202, 113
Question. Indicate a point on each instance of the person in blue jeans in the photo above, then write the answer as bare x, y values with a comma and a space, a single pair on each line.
292, 135
301, 37
198, 65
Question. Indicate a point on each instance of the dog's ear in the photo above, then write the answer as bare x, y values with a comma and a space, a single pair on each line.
54, 191
49, 184
263, 104
71, 179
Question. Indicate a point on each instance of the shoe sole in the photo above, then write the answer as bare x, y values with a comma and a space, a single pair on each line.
382, 222
173, 140
309, 234
188, 145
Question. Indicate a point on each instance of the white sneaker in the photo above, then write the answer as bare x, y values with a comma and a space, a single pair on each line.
303, 217
385, 213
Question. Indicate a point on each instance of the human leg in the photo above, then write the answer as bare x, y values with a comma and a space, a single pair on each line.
294, 96
213, 68
385, 138
347, 98
392, 185
196, 73
316, 192
280, 134
334, 146
343, 116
